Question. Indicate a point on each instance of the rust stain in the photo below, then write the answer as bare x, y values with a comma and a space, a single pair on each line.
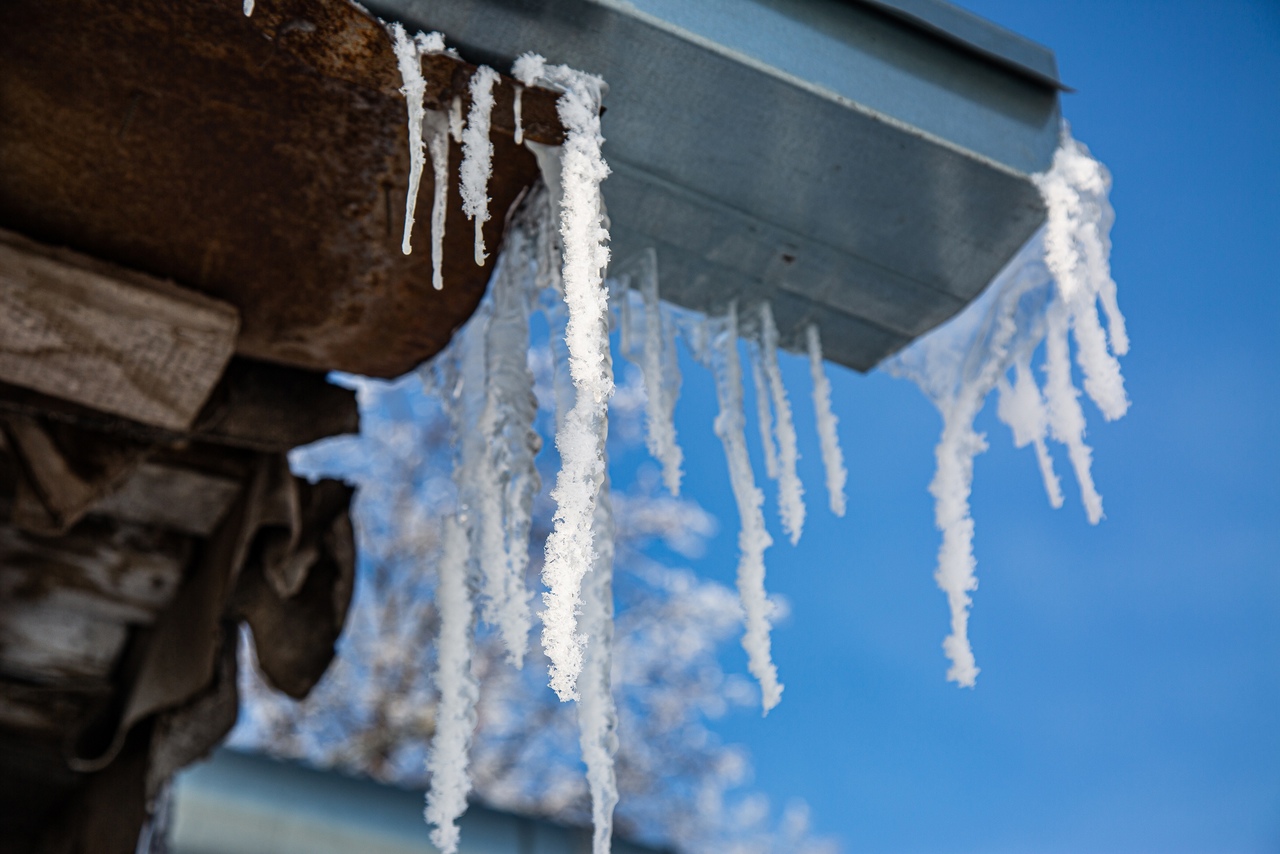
260, 160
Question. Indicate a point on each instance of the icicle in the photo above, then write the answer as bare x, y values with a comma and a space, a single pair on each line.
657, 360
455, 119
715, 343
764, 414
829, 439
580, 440
1077, 246
459, 693
248, 8
1021, 406
597, 715
477, 155
511, 442
438, 144
1066, 418
1050, 289
414, 89
515, 111
790, 490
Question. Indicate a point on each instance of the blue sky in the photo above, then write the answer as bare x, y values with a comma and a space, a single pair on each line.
1130, 672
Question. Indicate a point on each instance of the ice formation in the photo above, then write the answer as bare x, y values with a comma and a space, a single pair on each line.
828, 439
248, 8
414, 89
597, 715
438, 146
459, 692
511, 443
715, 343
477, 155
656, 358
764, 414
790, 490
570, 553
516, 113
1051, 288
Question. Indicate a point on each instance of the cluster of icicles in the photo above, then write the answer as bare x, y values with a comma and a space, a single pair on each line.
554, 260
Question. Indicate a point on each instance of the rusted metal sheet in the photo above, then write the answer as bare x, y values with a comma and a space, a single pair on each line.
261, 160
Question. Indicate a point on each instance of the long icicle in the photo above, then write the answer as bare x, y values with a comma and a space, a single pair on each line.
790, 490
511, 443
597, 715
828, 438
477, 155
764, 412
569, 550
438, 145
414, 89
459, 693
753, 536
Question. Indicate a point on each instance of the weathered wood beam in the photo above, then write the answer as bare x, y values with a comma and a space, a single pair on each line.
109, 338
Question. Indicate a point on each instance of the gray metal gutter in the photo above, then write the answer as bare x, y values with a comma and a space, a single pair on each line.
841, 159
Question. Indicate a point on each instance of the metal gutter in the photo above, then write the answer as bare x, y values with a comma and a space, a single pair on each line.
847, 164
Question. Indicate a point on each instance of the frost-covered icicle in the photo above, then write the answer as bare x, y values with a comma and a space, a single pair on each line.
828, 438
1077, 247
459, 693
477, 155
506, 429
715, 343
1066, 418
657, 360
414, 89
597, 715
248, 8
790, 490
764, 414
1051, 288
580, 439
455, 119
1022, 407
516, 108
438, 145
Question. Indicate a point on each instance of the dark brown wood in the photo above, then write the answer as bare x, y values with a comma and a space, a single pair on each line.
260, 160
256, 406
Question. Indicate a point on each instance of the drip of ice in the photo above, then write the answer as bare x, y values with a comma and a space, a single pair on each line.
597, 716
506, 428
1051, 287
477, 155
715, 343
248, 8
570, 553
438, 146
516, 105
828, 438
414, 89
764, 414
455, 119
658, 363
459, 692
790, 490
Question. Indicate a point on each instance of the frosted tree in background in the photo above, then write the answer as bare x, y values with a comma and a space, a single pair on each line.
376, 710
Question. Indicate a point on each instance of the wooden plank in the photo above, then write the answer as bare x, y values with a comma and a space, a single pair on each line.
49, 643
169, 496
120, 573
258, 406
109, 339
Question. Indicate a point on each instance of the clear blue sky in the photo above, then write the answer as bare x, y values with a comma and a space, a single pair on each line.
1130, 691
